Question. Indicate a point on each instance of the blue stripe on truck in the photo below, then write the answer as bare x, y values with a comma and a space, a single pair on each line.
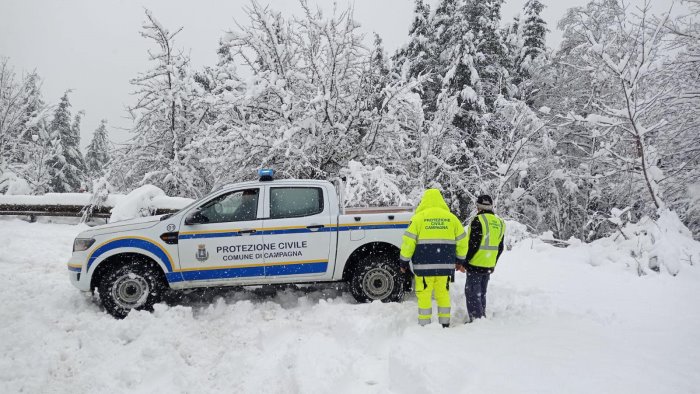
249, 272
211, 235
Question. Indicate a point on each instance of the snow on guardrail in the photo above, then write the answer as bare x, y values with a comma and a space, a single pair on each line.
144, 201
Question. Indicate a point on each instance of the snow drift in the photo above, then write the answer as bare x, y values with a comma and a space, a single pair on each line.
144, 201
662, 245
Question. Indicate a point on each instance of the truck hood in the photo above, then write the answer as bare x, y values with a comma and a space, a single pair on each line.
124, 225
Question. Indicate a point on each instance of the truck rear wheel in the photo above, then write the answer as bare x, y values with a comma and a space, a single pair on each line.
135, 286
377, 278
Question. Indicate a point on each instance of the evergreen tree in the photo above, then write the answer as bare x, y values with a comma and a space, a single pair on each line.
534, 30
532, 51
378, 74
416, 56
34, 109
483, 19
67, 167
513, 46
97, 156
471, 58
419, 58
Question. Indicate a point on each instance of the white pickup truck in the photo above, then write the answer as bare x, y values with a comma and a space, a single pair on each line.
252, 233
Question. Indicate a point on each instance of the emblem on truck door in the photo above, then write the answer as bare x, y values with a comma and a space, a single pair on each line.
202, 254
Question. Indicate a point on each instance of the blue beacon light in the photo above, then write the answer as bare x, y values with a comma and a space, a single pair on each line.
266, 174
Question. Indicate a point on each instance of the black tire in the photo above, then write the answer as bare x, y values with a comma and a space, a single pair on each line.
377, 278
134, 286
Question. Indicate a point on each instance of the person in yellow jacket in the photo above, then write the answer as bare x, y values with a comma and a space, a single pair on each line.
486, 234
434, 242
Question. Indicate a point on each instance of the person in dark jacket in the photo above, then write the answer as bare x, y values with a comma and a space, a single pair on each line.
485, 235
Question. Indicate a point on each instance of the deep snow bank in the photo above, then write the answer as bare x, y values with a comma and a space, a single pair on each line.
144, 201
662, 245
556, 324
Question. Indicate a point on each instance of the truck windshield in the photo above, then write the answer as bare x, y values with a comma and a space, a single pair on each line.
240, 205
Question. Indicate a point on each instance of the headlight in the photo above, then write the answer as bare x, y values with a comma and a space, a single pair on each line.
81, 244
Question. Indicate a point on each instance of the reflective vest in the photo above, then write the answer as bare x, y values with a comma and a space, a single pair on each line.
435, 239
493, 229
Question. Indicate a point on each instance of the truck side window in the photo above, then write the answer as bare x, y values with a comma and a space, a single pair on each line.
237, 206
292, 202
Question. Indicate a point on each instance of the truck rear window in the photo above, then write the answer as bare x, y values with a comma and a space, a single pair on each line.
292, 202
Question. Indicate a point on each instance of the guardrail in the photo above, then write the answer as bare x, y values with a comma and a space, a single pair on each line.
64, 210
52, 210
77, 205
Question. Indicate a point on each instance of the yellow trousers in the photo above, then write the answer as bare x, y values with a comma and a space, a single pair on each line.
425, 285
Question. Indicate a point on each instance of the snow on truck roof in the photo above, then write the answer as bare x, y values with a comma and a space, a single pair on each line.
316, 182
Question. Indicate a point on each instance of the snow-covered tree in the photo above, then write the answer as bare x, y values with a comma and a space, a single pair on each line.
534, 30
37, 170
165, 122
66, 163
416, 56
623, 105
526, 50
98, 152
316, 100
470, 70
625, 56
682, 178
22, 110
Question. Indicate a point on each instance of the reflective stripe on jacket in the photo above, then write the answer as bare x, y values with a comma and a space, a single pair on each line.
435, 240
493, 229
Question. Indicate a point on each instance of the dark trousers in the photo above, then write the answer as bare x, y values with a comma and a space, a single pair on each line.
475, 290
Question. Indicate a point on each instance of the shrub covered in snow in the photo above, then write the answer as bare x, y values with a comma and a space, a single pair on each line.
11, 184
367, 186
515, 232
101, 190
138, 203
662, 245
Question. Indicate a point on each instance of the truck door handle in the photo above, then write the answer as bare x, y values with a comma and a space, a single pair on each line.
315, 227
248, 231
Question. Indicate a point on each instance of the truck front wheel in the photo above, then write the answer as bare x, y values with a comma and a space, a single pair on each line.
128, 287
377, 278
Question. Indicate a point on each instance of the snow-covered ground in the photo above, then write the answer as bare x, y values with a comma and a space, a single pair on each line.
557, 324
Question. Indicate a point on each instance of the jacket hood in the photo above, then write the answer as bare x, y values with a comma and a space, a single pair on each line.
432, 198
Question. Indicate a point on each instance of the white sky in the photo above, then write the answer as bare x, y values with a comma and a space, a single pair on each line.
94, 46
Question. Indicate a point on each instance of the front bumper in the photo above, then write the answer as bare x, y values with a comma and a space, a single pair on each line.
76, 271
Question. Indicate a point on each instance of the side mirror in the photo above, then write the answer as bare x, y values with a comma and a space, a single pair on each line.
196, 217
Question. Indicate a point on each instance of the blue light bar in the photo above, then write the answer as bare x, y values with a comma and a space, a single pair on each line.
266, 174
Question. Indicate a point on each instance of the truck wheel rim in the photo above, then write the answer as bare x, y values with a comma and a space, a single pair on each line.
130, 291
378, 283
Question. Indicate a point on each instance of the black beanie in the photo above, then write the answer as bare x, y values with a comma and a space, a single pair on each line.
484, 202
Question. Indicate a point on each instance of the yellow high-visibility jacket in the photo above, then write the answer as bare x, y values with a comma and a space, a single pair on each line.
490, 240
435, 239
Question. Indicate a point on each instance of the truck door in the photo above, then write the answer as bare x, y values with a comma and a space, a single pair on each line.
220, 239
298, 229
